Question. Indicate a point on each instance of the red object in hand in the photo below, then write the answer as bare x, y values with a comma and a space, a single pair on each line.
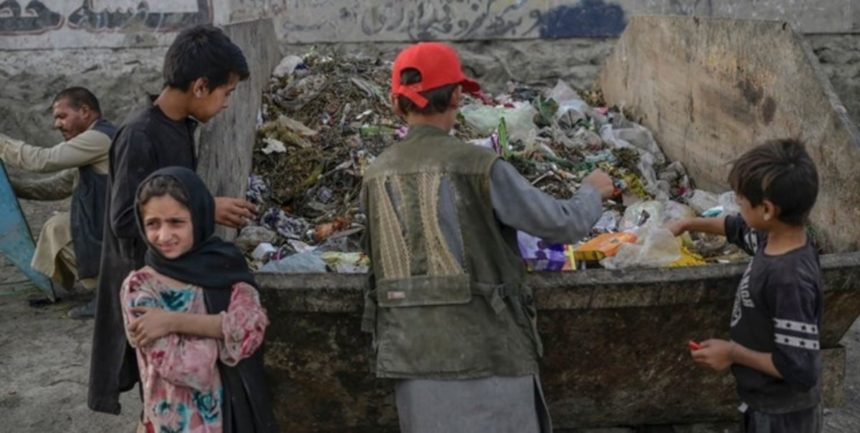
693, 345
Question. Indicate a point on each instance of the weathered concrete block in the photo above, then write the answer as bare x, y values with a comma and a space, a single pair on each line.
615, 346
225, 156
711, 89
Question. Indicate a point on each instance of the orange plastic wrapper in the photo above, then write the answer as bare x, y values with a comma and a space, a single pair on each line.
602, 246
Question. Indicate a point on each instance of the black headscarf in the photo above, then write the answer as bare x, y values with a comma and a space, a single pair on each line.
216, 265
211, 263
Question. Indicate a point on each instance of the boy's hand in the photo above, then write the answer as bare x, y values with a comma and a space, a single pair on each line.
677, 227
600, 181
714, 354
148, 325
234, 212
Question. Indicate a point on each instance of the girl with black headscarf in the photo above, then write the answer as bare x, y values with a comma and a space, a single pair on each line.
194, 316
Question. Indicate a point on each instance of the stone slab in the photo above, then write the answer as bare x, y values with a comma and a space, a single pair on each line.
227, 142
710, 89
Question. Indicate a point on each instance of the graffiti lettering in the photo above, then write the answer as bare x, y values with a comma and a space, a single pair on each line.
444, 19
107, 16
87, 18
34, 19
454, 20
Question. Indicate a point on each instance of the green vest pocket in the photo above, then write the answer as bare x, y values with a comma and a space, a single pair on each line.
426, 290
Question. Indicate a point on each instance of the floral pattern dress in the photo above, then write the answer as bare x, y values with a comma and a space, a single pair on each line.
182, 390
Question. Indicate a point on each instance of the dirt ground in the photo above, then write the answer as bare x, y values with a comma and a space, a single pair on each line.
45, 358
44, 364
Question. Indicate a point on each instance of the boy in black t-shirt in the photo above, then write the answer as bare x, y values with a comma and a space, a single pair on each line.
774, 348
201, 69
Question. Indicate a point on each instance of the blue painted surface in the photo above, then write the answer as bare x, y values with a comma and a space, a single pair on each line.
16, 241
590, 18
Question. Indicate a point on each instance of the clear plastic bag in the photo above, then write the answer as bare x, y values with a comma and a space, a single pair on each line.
728, 201
701, 201
519, 120
640, 213
655, 247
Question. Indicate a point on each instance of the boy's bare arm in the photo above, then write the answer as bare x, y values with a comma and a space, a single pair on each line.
760, 361
714, 226
721, 354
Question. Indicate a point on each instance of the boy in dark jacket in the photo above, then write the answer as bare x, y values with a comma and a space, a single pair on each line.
201, 69
774, 348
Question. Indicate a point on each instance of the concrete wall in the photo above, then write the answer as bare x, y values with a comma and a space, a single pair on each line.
51, 24
121, 78
65, 24
393, 20
116, 48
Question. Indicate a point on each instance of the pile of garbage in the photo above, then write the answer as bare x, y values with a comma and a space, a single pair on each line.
325, 117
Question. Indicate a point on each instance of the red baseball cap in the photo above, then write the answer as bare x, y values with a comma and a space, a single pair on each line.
438, 65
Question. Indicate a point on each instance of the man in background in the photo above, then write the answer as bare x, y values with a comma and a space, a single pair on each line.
69, 246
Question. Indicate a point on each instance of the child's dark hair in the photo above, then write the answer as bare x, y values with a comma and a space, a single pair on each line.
77, 97
781, 172
160, 186
438, 99
203, 51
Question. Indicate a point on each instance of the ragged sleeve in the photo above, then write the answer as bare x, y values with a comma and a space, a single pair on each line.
88, 147
244, 325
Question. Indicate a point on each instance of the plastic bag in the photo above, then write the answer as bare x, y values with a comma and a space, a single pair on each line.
654, 212
562, 92
607, 223
701, 201
675, 177
541, 256
257, 189
656, 247
649, 176
346, 263
251, 236
519, 120
286, 225
302, 263
640, 213
729, 202
273, 145
571, 108
642, 139
634, 136
587, 138
675, 211
287, 65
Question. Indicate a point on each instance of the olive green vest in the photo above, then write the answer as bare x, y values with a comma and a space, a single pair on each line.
446, 298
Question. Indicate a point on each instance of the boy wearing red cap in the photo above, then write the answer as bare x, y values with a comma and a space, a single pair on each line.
451, 316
